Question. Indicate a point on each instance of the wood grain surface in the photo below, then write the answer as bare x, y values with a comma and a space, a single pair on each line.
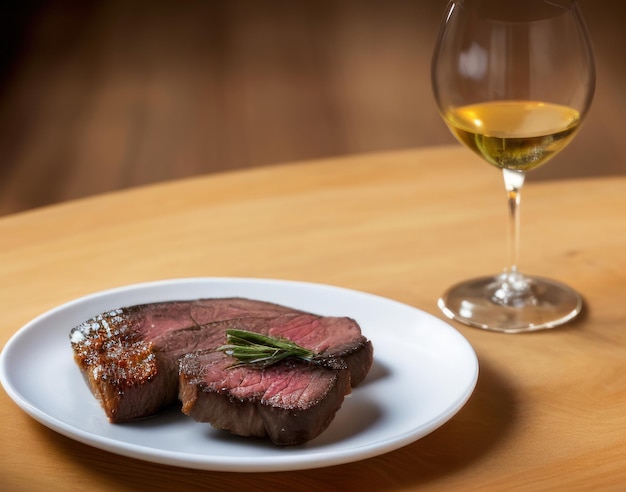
548, 412
109, 94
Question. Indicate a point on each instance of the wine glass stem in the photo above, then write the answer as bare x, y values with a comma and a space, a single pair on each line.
513, 182
512, 288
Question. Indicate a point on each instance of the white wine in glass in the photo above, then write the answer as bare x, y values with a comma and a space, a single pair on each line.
513, 81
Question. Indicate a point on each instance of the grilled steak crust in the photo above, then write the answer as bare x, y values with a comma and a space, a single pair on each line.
120, 365
136, 358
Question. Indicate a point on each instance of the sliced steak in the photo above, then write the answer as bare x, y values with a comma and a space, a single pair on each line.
130, 358
291, 402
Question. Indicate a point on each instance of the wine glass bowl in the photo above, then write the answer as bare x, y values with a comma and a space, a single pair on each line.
513, 81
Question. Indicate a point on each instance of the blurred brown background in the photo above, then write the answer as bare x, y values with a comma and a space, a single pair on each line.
108, 94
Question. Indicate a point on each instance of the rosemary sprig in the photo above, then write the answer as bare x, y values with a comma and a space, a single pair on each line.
251, 348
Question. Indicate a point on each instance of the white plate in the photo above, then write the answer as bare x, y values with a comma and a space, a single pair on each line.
424, 371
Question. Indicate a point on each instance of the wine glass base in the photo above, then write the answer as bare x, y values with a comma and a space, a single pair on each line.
472, 302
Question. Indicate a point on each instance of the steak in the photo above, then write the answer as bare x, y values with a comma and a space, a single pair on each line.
139, 359
290, 402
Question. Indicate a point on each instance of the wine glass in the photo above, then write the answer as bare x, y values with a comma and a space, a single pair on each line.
513, 81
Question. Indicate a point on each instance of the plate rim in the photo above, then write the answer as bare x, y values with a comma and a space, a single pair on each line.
318, 459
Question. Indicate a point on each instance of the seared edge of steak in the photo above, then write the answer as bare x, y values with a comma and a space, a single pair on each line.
118, 364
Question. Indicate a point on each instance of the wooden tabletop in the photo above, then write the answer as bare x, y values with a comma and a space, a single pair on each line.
549, 409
